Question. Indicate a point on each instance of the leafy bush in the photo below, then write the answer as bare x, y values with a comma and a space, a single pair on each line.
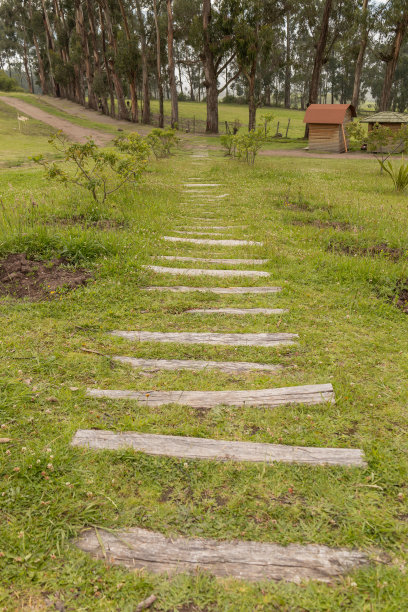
244, 146
162, 142
102, 172
7, 83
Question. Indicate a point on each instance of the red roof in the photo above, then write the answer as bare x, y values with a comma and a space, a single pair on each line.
328, 113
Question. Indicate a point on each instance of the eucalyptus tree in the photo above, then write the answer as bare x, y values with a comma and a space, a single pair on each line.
394, 31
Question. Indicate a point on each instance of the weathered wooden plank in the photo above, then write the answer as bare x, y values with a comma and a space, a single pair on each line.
205, 272
234, 290
253, 561
212, 242
220, 450
201, 184
195, 364
232, 262
198, 233
238, 311
258, 398
263, 339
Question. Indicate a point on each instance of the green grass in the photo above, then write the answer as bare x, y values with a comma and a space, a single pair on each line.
350, 334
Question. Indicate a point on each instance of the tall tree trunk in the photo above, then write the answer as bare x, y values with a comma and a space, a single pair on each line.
120, 96
392, 61
79, 15
319, 57
288, 62
210, 73
360, 58
41, 71
49, 47
158, 64
172, 73
25, 61
132, 73
106, 64
97, 63
145, 66
251, 97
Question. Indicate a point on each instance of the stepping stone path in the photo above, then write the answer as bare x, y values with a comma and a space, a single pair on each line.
230, 262
212, 242
140, 548
195, 364
205, 272
258, 398
276, 339
234, 290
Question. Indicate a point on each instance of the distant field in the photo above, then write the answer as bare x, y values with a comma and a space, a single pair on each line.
231, 112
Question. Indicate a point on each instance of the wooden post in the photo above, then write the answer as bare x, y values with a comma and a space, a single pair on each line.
277, 129
344, 138
287, 128
194, 124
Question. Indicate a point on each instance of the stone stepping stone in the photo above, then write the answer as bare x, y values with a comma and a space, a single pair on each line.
262, 339
137, 548
257, 398
205, 272
215, 227
221, 290
212, 242
238, 311
195, 364
212, 260
219, 450
218, 197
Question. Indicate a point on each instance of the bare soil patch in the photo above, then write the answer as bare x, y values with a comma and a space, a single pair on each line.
384, 249
337, 225
38, 280
401, 296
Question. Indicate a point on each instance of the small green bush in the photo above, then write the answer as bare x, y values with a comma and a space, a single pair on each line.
162, 142
102, 172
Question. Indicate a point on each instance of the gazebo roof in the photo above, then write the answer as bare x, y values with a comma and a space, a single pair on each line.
327, 113
386, 117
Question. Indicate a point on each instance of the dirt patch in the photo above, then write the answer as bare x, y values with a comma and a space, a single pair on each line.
354, 250
337, 225
400, 297
102, 224
38, 280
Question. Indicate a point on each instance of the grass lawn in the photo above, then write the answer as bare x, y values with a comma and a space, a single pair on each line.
318, 220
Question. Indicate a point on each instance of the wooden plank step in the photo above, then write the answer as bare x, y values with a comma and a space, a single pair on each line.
219, 450
201, 184
220, 290
257, 398
263, 339
238, 311
214, 197
137, 548
198, 233
232, 262
195, 364
205, 272
212, 242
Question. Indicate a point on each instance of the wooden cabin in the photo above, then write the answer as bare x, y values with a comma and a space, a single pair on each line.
327, 126
393, 121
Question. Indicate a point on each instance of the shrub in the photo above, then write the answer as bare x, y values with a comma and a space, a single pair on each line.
244, 146
228, 141
162, 141
7, 83
399, 175
102, 172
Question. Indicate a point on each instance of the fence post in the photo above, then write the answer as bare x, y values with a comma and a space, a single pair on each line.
194, 124
277, 129
287, 128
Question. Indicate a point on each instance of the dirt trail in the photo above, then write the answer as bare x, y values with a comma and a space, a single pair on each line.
74, 132
72, 108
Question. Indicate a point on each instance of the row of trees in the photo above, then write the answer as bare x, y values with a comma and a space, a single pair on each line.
101, 53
